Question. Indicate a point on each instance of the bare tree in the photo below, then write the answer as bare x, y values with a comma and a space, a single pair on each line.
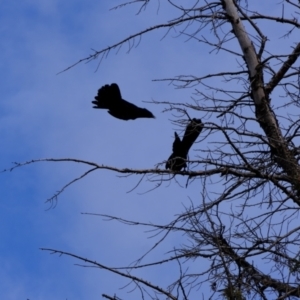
248, 231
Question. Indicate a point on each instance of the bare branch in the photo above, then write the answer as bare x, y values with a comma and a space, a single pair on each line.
113, 270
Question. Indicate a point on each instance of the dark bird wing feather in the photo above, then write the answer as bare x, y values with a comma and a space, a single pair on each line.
109, 97
192, 132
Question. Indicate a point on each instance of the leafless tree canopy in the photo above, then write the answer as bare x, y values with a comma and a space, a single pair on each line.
249, 230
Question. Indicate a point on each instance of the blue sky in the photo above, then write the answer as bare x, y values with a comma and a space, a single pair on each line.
48, 115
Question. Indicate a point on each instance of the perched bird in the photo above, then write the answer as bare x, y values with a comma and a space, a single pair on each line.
109, 97
181, 147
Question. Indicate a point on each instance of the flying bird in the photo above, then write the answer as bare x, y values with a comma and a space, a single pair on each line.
181, 147
109, 97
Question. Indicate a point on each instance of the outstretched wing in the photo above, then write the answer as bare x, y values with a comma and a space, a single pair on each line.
108, 96
192, 132
115, 91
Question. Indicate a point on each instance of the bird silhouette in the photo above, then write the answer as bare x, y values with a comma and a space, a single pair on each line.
109, 97
181, 148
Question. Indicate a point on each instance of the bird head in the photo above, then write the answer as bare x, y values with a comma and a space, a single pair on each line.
145, 113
